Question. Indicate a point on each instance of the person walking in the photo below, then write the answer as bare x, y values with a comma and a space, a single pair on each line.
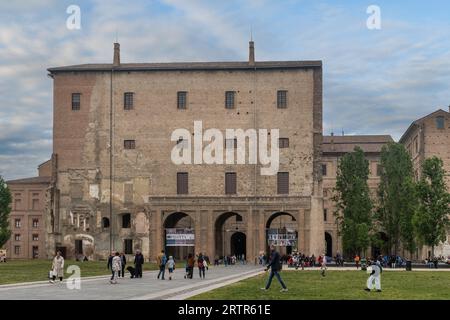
375, 276
190, 266
357, 261
116, 267
109, 265
123, 261
162, 260
201, 265
138, 262
275, 267
171, 266
57, 267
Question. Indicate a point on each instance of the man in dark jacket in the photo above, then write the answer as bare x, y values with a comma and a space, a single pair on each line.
275, 266
124, 262
109, 266
138, 262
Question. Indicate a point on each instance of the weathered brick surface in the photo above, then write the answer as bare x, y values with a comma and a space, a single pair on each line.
81, 143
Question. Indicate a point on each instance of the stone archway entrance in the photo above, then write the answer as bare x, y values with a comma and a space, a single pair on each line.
285, 225
229, 234
238, 244
328, 244
380, 245
178, 235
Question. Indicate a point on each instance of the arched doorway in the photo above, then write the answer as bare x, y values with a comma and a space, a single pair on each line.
230, 235
328, 244
179, 236
238, 244
281, 231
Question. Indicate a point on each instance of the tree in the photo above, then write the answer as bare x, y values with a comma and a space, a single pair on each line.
5, 209
431, 219
397, 198
353, 204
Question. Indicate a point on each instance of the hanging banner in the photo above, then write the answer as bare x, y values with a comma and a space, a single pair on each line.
180, 237
282, 237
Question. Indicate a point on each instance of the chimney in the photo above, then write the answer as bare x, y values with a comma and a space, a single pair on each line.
116, 60
251, 53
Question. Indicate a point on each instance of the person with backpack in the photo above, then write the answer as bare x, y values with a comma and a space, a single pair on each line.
162, 260
171, 266
275, 267
201, 265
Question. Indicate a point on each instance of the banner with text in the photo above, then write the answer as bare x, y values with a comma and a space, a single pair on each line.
282, 237
180, 237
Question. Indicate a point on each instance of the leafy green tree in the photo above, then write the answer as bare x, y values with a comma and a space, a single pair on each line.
5, 209
353, 204
397, 198
432, 216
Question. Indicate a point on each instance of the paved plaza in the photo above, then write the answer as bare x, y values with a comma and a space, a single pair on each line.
146, 288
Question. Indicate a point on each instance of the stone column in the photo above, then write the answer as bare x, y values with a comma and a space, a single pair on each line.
261, 224
198, 232
250, 254
317, 231
301, 230
158, 234
210, 236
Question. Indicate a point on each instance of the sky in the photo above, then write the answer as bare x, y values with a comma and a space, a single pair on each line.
376, 81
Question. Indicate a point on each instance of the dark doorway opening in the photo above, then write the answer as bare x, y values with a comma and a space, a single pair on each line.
239, 244
380, 245
329, 244
78, 246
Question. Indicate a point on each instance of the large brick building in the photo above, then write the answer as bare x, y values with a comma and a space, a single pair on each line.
115, 186
427, 137
27, 217
333, 148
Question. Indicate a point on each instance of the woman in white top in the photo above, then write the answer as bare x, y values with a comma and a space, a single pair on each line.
116, 267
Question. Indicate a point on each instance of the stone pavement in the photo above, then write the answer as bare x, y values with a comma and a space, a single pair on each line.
146, 288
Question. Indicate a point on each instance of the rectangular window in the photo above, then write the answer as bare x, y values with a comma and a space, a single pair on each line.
230, 183
324, 170
17, 204
17, 237
34, 204
325, 214
17, 223
282, 99
126, 221
129, 144
181, 99
35, 237
229, 99
283, 143
76, 101
182, 183
128, 246
16, 250
440, 123
35, 223
128, 100
35, 252
283, 182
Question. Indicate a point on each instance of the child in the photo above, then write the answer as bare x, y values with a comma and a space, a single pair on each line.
171, 266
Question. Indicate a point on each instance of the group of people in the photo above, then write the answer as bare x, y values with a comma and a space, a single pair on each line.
228, 260
117, 262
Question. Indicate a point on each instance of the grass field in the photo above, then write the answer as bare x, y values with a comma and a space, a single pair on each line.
338, 285
15, 271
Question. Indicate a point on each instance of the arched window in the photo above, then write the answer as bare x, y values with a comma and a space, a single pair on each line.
105, 222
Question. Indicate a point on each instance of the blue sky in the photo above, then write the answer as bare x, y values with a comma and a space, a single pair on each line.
375, 81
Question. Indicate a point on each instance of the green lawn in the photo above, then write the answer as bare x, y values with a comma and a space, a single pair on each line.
15, 271
338, 285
